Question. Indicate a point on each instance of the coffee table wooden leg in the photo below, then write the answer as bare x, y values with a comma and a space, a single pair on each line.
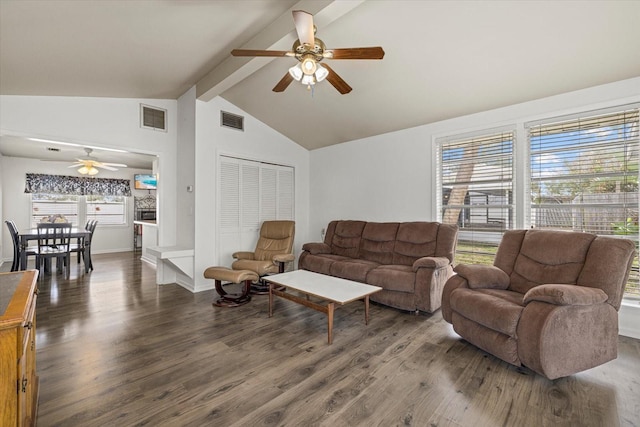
270, 299
330, 308
366, 310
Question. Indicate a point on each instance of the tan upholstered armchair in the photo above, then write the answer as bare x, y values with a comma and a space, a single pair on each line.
549, 302
273, 250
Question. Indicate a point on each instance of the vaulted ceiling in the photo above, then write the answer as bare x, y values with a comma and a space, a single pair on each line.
443, 58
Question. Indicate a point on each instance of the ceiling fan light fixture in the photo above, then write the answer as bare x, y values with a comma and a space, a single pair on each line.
296, 72
321, 73
88, 170
308, 80
309, 65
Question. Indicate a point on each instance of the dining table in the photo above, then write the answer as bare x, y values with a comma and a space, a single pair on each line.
32, 234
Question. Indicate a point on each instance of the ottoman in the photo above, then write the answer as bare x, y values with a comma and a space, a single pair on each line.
224, 274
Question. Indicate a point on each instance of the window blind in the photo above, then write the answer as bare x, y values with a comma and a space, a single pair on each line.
584, 175
475, 185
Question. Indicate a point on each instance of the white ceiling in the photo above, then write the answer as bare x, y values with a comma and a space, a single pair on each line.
443, 58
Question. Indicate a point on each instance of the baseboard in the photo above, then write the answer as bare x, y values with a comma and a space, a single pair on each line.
629, 319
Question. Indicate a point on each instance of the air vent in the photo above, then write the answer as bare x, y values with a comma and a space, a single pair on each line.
232, 121
153, 118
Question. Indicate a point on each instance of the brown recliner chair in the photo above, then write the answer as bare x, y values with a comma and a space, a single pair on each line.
549, 302
273, 250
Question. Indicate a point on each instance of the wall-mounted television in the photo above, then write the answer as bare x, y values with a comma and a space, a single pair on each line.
145, 182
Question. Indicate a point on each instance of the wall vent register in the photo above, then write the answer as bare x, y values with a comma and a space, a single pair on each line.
153, 118
233, 121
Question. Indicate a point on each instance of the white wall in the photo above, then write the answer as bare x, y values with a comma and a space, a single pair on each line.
103, 122
186, 173
256, 142
17, 204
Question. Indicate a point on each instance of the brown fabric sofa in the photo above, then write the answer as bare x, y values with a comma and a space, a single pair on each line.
549, 302
411, 261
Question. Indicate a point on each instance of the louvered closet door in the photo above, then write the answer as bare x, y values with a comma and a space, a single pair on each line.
250, 192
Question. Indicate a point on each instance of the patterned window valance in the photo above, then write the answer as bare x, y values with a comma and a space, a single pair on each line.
76, 185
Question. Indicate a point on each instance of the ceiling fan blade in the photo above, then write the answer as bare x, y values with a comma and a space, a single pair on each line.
251, 52
337, 81
102, 166
283, 83
115, 165
355, 53
304, 27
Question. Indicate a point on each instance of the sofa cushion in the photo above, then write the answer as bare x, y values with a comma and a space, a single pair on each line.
353, 269
321, 263
415, 240
565, 295
483, 276
317, 248
378, 241
345, 240
399, 278
549, 257
503, 346
496, 309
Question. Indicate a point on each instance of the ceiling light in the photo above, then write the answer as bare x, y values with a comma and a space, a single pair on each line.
88, 170
309, 65
321, 73
308, 80
296, 72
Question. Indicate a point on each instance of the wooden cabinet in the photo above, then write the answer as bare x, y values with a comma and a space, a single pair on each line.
18, 379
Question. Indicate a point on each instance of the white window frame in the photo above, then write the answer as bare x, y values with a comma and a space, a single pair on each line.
568, 120
492, 237
81, 216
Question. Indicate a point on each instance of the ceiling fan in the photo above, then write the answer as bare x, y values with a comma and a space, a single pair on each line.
310, 51
89, 165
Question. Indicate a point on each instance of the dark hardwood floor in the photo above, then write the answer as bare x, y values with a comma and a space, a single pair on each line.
114, 349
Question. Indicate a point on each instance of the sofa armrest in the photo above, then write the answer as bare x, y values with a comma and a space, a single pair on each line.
454, 282
483, 276
430, 262
243, 255
565, 295
283, 258
316, 248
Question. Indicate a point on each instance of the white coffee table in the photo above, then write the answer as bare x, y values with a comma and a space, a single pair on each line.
331, 289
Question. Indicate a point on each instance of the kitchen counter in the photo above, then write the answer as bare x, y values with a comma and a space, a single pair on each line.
145, 235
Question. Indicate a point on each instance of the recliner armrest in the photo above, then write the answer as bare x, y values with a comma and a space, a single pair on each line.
483, 276
430, 262
243, 255
316, 248
283, 258
565, 295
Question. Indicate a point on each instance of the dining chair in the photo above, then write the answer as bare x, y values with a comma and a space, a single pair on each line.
15, 238
86, 254
54, 241
83, 245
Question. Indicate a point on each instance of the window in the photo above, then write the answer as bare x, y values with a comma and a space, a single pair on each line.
111, 210
77, 210
50, 205
584, 176
475, 184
